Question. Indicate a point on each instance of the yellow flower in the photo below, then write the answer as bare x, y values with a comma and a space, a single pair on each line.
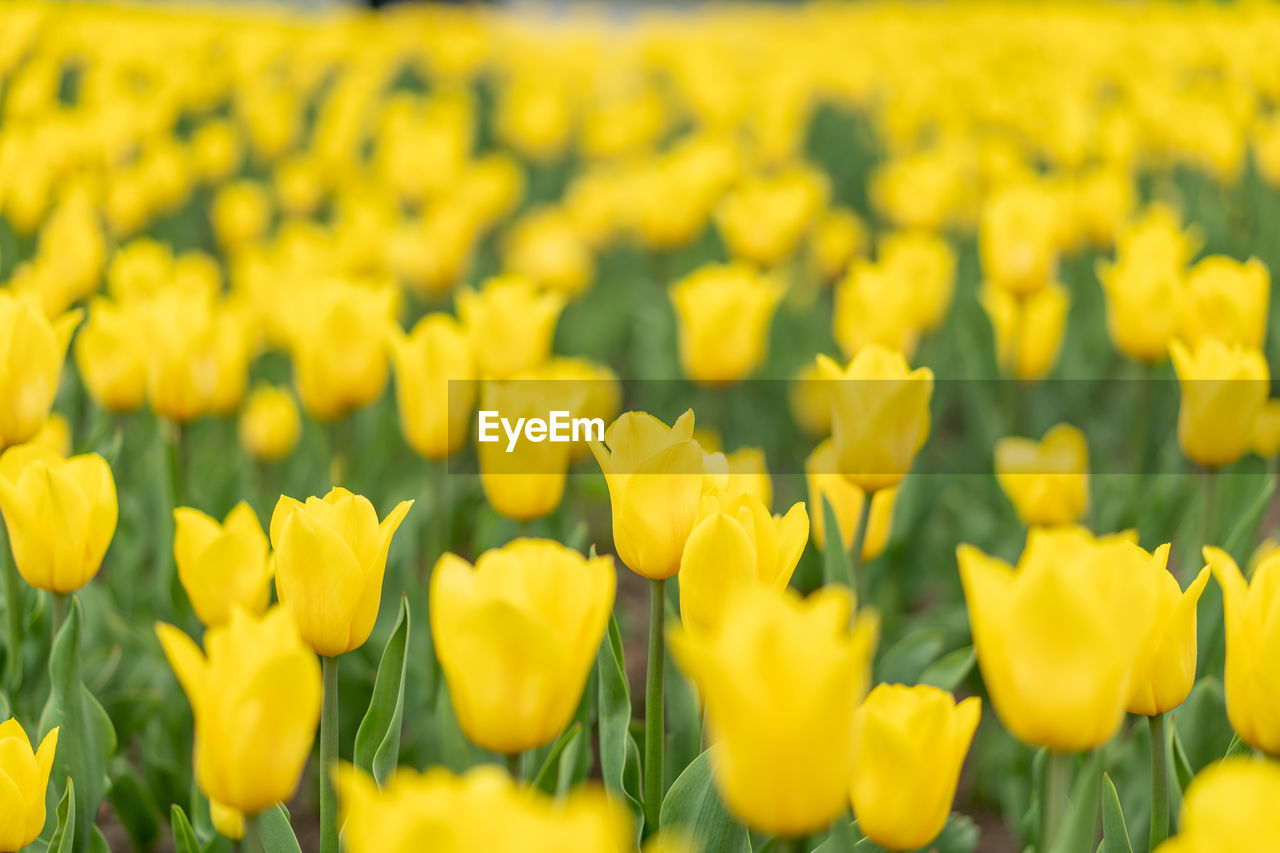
269, 425
435, 384
1227, 300
545, 245
781, 766
222, 566
723, 314
924, 265
240, 213
55, 435
837, 238
763, 220
217, 151
736, 544
255, 699
534, 115
526, 481
517, 635
874, 307
1068, 696
593, 389
809, 398
824, 481
330, 555
430, 254
1158, 238
1253, 635
33, 350
909, 744
1264, 436
749, 475
111, 355
655, 478
1230, 805
227, 821
1017, 238
1224, 389
1166, 666
1028, 329
198, 356
879, 415
1143, 305
509, 309
1048, 480
24, 777
61, 514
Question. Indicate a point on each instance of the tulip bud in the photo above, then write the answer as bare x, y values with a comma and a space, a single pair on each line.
873, 307
1017, 239
240, 213
527, 481
1264, 435
222, 566
269, 426
330, 555
1047, 481
546, 246
1028, 329
1230, 805
1143, 306
509, 309
33, 350
821, 473
60, 513
517, 635
111, 356
435, 384
838, 237
809, 399
909, 745
24, 778
199, 356
1224, 389
255, 698
723, 315
763, 220
1166, 665
922, 264
1227, 300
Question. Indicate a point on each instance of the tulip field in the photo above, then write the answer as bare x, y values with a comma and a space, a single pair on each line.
810, 427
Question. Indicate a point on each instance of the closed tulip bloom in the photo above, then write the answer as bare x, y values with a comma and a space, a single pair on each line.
111, 355
1143, 306
240, 213
1157, 237
222, 566
269, 426
1017, 239
782, 766
547, 247
837, 238
736, 544
909, 744
923, 264
1166, 665
24, 778
528, 482
655, 479
330, 555
435, 384
512, 310
872, 306
723, 314
824, 481
33, 350
1069, 697
227, 821
1230, 805
1047, 481
1028, 329
198, 360
1264, 436
1224, 389
809, 399
763, 220
1227, 300
517, 635
255, 700
879, 415
60, 513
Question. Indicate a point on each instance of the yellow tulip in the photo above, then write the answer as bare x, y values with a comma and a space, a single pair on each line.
1230, 805
837, 238
509, 309
55, 435
1227, 300
1047, 481
781, 766
24, 777
33, 350
222, 566
1166, 666
517, 635
198, 360
736, 544
111, 355
217, 151
227, 821
1224, 389
1028, 329
546, 246
1253, 635
269, 426
330, 555
593, 389
1071, 696
809, 398
821, 473
535, 115
1264, 435
874, 307
655, 479
435, 384
255, 699
61, 515
763, 220
723, 314
1017, 239
879, 415
240, 213
749, 475
1158, 238
1143, 306
527, 482
924, 265
909, 744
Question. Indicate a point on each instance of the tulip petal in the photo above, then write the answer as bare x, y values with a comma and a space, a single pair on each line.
318, 577
187, 661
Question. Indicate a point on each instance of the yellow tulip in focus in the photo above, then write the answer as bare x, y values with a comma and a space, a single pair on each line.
1227, 300
222, 566
1028, 329
255, 699
33, 350
879, 415
909, 745
24, 778
111, 355
763, 220
1166, 666
517, 635
1069, 697
821, 473
526, 481
723, 314
782, 766
1048, 480
1144, 298
60, 513
269, 426
1224, 389
511, 324
330, 555
1230, 805
435, 384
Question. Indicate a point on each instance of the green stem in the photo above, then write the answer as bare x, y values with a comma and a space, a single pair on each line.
654, 732
173, 446
1159, 782
59, 612
253, 835
856, 581
13, 617
513, 765
1209, 521
1053, 807
329, 755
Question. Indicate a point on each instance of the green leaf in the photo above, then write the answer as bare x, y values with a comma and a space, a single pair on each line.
835, 559
548, 775
614, 714
1080, 826
136, 809
377, 749
693, 804
64, 837
948, 671
1239, 541
683, 716
906, 659
184, 837
1115, 835
1181, 767
277, 834
1236, 747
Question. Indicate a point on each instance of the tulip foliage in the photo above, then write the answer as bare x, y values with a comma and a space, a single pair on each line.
814, 427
